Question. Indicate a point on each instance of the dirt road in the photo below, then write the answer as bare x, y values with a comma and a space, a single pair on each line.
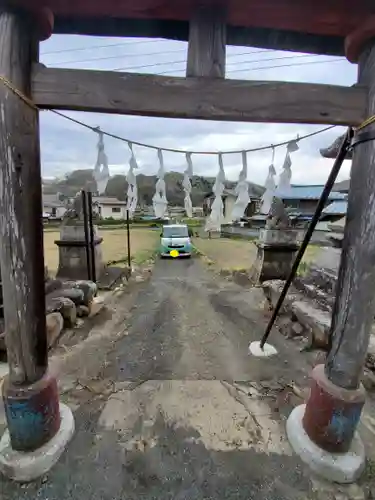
189, 415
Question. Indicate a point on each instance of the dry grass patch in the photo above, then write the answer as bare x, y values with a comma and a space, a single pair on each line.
226, 254
143, 244
237, 255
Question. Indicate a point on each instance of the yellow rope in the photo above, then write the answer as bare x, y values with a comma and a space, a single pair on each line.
366, 123
22, 96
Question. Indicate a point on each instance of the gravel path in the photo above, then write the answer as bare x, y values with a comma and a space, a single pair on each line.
190, 414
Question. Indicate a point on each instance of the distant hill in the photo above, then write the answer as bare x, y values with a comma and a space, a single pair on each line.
117, 186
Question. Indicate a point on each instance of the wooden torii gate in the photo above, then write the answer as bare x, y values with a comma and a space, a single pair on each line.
337, 27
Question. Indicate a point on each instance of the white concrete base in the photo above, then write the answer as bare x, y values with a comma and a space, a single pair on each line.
25, 467
267, 351
336, 467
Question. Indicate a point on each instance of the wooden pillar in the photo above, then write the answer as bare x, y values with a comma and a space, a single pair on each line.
207, 42
337, 396
354, 309
29, 391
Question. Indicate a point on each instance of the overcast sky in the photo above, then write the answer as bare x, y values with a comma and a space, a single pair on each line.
66, 146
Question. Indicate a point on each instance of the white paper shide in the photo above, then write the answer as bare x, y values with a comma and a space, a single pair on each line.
131, 177
186, 184
269, 193
101, 170
159, 199
285, 178
216, 216
242, 192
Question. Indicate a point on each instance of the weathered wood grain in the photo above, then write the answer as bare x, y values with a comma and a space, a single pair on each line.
212, 99
265, 38
353, 312
207, 43
333, 17
21, 248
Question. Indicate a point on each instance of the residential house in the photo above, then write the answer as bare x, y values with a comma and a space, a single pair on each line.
229, 198
335, 211
53, 207
302, 200
342, 187
109, 207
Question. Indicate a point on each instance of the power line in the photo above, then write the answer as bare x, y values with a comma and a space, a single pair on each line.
264, 67
118, 56
125, 56
288, 65
239, 62
79, 49
128, 141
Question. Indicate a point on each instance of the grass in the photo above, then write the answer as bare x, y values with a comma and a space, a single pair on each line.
227, 254
237, 255
143, 244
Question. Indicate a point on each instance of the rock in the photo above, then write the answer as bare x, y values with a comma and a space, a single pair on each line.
284, 325
65, 307
315, 319
272, 290
368, 380
96, 306
3, 346
52, 285
82, 311
89, 288
127, 273
55, 324
353, 491
74, 294
297, 328
370, 362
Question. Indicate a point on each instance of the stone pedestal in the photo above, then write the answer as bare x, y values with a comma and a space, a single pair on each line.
323, 432
72, 253
276, 253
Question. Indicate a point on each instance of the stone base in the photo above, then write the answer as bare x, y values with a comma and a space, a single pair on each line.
336, 467
267, 351
276, 253
72, 253
24, 467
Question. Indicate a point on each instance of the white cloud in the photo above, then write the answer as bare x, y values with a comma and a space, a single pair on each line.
66, 146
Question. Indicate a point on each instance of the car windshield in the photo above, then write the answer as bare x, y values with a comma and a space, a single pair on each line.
175, 232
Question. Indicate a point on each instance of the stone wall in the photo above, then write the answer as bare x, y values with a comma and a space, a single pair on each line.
307, 320
66, 303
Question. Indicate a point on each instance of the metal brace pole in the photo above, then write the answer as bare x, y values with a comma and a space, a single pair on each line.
318, 212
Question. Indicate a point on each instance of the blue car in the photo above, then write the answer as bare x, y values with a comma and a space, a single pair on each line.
175, 241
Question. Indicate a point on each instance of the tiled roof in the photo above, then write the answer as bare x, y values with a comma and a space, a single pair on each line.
104, 200
52, 200
304, 192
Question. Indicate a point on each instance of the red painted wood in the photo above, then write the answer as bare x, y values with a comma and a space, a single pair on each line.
320, 17
332, 413
356, 41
